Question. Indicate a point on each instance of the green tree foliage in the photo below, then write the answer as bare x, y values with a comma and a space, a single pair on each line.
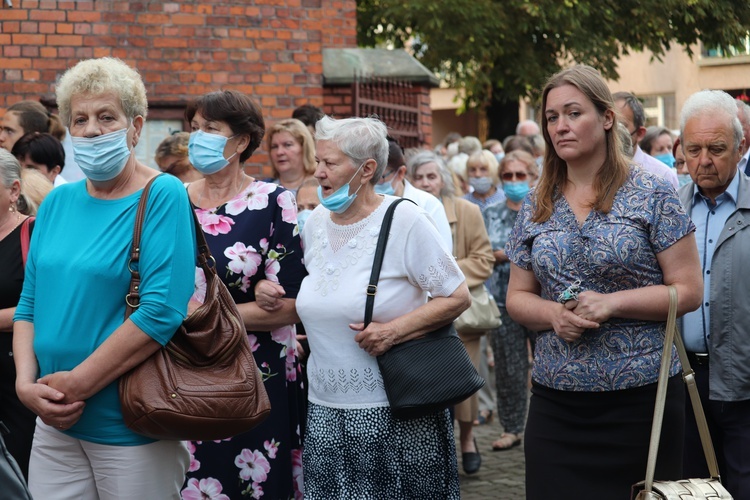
498, 50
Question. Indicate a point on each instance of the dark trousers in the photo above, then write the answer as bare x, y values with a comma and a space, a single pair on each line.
729, 424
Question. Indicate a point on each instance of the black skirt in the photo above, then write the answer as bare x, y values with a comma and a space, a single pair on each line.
594, 445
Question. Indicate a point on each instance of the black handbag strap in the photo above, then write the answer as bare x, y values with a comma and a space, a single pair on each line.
377, 263
133, 298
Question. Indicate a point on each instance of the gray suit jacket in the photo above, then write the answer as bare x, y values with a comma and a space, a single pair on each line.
729, 299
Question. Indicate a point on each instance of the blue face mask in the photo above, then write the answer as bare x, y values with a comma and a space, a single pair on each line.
385, 188
684, 179
206, 152
499, 156
667, 159
340, 200
516, 191
103, 157
481, 185
302, 217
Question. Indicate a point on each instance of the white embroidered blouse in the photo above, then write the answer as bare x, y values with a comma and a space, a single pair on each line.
339, 261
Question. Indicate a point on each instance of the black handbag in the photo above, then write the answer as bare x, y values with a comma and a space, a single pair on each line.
427, 374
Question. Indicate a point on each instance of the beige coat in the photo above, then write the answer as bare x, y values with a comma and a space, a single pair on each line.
471, 244
473, 252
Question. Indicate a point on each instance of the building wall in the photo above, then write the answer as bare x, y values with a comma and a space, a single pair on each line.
269, 49
679, 75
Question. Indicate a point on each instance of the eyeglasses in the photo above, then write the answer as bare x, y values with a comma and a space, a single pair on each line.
508, 176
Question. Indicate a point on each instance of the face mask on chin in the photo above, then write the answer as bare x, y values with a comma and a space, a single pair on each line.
102, 158
340, 200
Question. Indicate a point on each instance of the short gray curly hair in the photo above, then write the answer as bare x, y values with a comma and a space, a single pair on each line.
100, 76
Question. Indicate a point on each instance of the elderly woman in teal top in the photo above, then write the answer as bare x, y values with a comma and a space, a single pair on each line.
71, 342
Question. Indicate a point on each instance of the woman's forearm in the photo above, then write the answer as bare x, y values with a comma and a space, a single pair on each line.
436, 313
256, 319
127, 347
6, 319
530, 310
27, 369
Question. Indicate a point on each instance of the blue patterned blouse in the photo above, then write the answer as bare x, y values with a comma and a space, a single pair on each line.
608, 253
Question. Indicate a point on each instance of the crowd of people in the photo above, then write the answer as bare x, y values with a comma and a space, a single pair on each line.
575, 225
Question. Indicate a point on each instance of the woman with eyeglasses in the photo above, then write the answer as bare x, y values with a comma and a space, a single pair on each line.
519, 173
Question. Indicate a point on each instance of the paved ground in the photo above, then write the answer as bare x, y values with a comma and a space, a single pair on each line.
502, 474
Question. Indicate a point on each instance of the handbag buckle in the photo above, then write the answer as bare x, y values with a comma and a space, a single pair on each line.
372, 290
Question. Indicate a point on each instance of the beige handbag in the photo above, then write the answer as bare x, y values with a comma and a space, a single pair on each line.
482, 315
685, 488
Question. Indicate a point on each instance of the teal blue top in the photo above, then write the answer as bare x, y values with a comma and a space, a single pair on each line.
77, 278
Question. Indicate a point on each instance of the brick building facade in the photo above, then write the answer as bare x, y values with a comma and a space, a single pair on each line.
269, 49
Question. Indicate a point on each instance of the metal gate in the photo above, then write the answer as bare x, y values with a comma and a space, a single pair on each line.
394, 102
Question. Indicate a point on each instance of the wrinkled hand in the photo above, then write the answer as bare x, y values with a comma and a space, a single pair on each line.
568, 325
593, 306
47, 403
268, 295
376, 339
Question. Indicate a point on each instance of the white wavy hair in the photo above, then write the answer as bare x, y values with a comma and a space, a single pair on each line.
360, 139
711, 102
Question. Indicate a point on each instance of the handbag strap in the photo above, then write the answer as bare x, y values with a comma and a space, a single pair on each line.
377, 263
26, 238
688, 375
133, 298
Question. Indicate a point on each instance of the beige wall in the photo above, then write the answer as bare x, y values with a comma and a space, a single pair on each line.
680, 75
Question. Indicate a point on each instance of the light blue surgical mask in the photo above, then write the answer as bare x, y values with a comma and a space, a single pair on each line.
385, 188
206, 152
481, 185
302, 217
340, 200
499, 156
684, 179
666, 158
102, 158
516, 191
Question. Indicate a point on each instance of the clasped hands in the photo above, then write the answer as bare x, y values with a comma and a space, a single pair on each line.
575, 316
54, 399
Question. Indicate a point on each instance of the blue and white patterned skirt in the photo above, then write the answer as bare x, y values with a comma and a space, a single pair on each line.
367, 454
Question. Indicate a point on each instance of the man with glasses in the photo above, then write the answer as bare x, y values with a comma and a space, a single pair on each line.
633, 117
393, 182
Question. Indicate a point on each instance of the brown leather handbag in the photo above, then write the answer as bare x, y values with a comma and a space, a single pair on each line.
204, 384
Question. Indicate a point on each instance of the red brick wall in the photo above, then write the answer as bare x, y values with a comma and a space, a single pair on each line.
270, 49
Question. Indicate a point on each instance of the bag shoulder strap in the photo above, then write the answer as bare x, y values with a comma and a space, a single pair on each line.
672, 337
26, 238
377, 263
132, 299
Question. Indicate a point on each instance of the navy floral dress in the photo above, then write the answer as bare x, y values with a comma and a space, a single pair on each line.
607, 253
254, 236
